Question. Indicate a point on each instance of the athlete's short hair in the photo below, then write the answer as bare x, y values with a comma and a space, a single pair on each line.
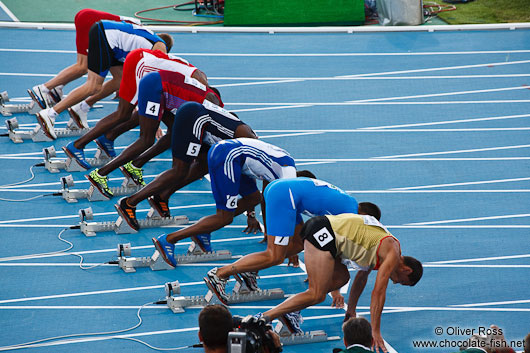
527, 344
369, 209
167, 39
305, 173
417, 269
357, 330
215, 322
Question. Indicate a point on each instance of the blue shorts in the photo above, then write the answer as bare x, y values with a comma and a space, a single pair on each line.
150, 96
225, 190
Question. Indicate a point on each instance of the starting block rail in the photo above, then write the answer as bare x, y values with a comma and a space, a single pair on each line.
128, 187
9, 109
156, 263
120, 226
54, 165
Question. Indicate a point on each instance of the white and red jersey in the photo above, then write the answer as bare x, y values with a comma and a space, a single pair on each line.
140, 62
85, 18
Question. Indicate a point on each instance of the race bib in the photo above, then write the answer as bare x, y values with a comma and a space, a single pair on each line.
152, 108
283, 241
323, 237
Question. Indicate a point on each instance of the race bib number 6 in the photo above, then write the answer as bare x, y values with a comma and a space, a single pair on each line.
231, 203
323, 237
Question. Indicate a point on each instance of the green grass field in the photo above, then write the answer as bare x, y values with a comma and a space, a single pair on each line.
488, 11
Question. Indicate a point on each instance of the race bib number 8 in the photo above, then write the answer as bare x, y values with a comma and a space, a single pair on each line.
152, 108
323, 237
231, 203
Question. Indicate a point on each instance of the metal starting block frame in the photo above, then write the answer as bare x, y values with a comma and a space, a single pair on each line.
240, 294
54, 165
287, 338
156, 263
37, 135
120, 226
9, 109
128, 187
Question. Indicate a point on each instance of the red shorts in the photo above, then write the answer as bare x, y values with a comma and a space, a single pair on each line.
84, 19
140, 62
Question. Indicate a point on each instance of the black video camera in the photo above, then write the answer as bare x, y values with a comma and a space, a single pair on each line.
251, 335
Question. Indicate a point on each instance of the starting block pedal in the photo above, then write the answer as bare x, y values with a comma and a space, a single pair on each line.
37, 135
54, 165
287, 338
128, 187
120, 226
156, 263
239, 295
9, 109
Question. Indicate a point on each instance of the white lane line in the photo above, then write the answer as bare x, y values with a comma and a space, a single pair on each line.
462, 183
457, 121
457, 151
471, 52
130, 289
475, 266
8, 12
472, 219
492, 303
280, 105
482, 259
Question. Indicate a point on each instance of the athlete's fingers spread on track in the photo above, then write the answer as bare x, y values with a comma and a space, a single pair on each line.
159, 133
379, 343
253, 226
338, 300
349, 314
293, 260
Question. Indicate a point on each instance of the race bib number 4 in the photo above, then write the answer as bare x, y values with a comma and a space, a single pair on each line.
323, 237
152, 108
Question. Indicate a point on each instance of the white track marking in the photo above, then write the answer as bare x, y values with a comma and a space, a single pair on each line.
472, 219
482, 259
8, 12
457, 151
462, 183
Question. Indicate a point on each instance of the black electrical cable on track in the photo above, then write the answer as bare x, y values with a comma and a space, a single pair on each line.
183, 23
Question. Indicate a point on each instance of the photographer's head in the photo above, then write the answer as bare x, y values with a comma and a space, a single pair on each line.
357, 330
215, 322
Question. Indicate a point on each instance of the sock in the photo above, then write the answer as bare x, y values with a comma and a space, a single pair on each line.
43, 89
135, 167
84, 106
52, 113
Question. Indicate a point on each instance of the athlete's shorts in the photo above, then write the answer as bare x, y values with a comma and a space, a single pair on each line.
225, 189
100, 55
84, 20
139, 63
151, 96
282, 216
195, 126
318, 232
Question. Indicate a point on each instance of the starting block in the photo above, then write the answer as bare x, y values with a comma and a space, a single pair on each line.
240, 294
37, 135
128, 187
287, 338
9, 109
120, 226
54, 165
156, 263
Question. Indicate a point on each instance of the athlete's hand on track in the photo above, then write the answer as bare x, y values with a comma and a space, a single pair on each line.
159, 134
338, 299
253, 226
294, 261
349, 314
379, 343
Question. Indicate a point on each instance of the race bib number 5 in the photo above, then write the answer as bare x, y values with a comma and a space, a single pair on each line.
323, 237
